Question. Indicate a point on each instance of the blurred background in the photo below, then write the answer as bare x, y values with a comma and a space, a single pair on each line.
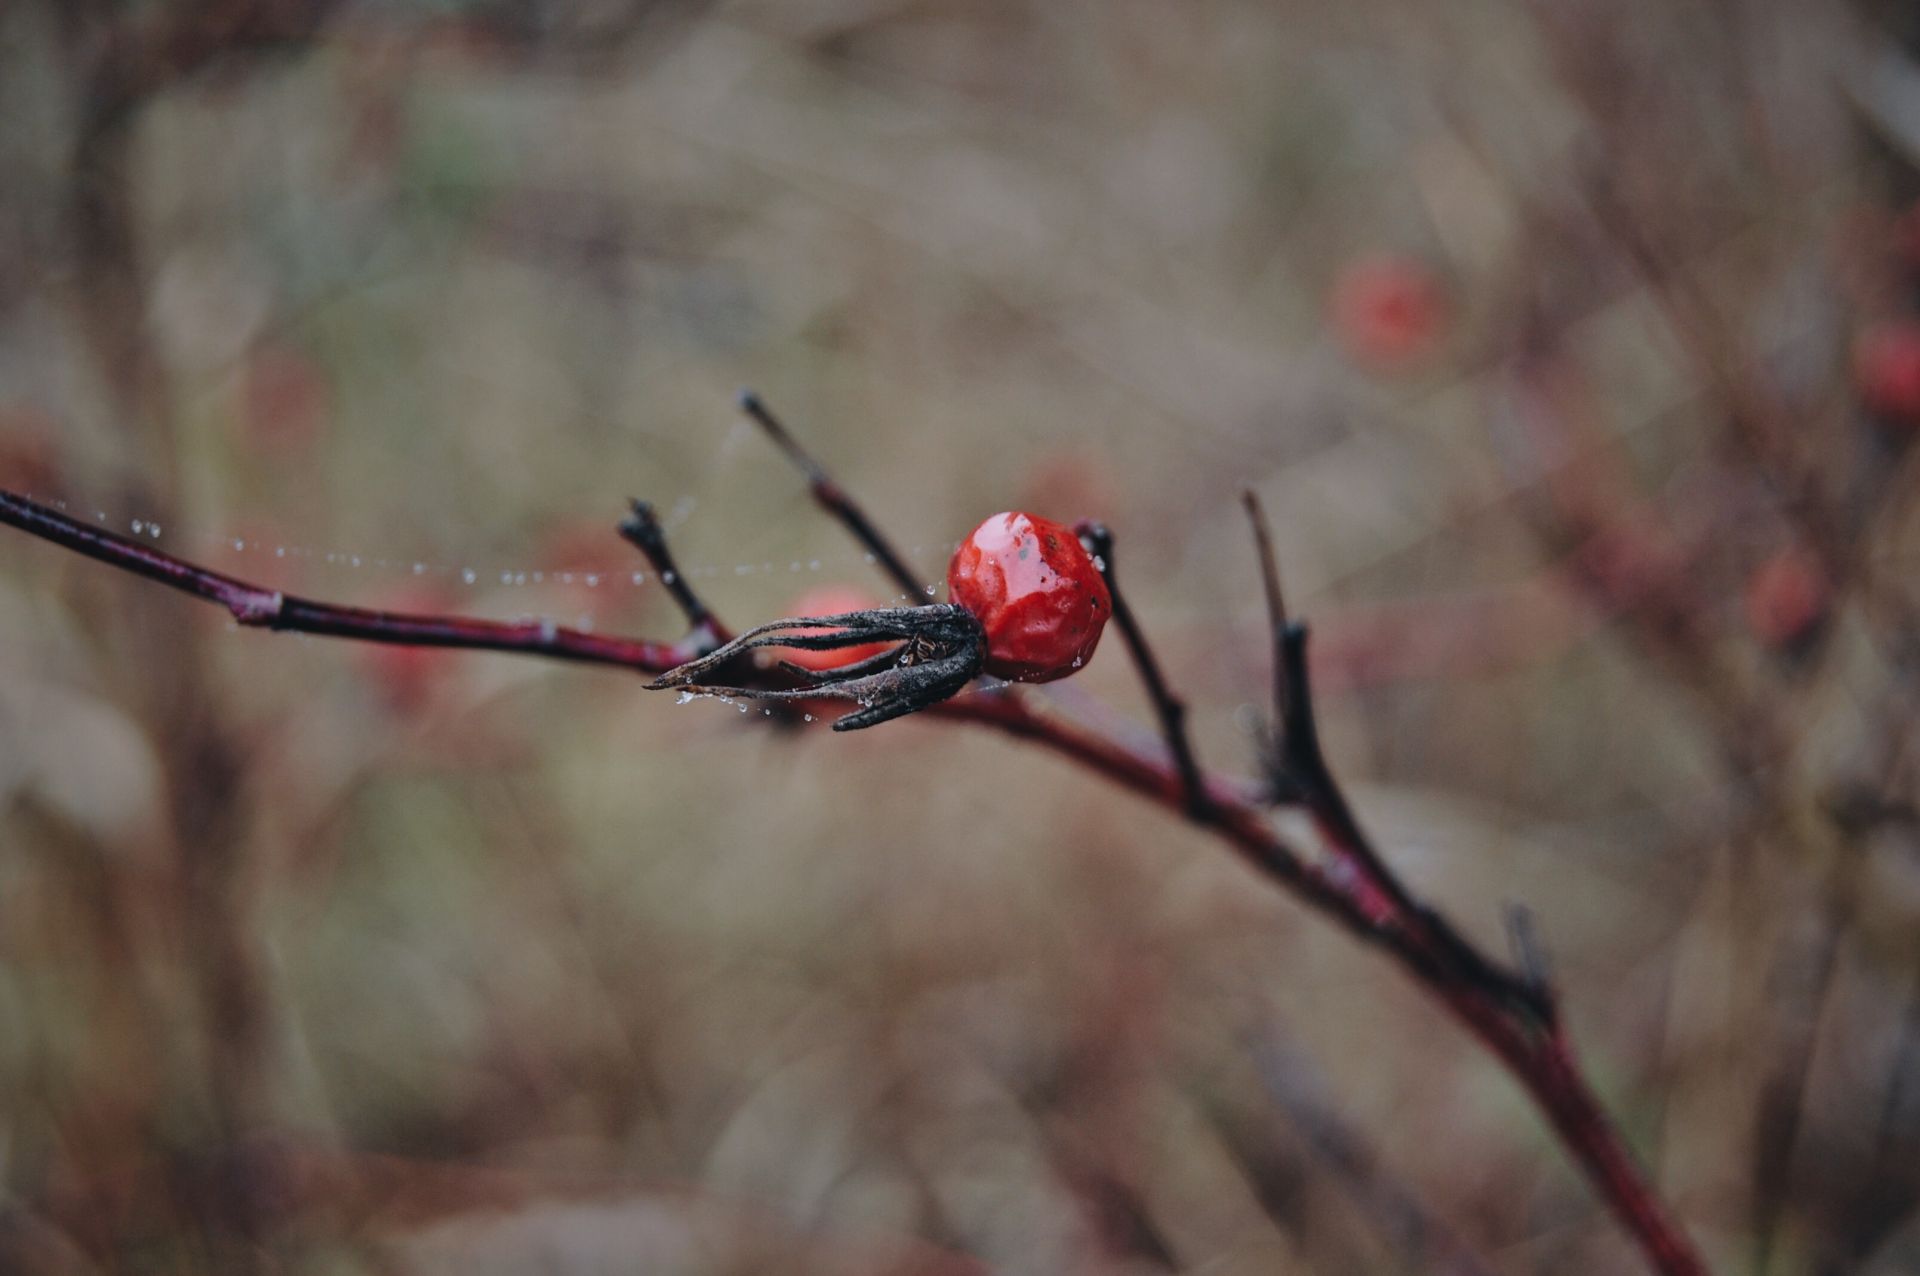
1572, 346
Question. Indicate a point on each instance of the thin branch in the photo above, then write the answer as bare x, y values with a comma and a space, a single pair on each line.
1301, 774
1321, 793
258, 607
1169, 708
1529, 951
831, 497
641, 528
1296, 1086
1276, 601
1512, 1024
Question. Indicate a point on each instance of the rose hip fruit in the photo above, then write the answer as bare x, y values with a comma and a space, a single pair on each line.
1026, 602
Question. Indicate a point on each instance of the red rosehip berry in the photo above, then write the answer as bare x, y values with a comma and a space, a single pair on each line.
1787, 599
1026, 602
1886, 365
1388, 310
830, 600
285, 401
1035, 591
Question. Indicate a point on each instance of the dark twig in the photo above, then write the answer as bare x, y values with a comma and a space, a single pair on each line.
1169, 708
1529, 951
262, 608
1320, 793
642, 530
1513, 1025
1298, 1089
1301, 773
1276, 601
832, 498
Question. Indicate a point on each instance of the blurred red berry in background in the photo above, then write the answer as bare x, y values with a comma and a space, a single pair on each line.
1077, 480
830, 600
409, 678
587, 559
284, 401
29, 461
1388, 310
1886, 367
1787, 599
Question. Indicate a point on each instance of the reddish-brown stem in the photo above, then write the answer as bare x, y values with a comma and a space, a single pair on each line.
1167, 707
1276, 599
831, 497
1533, 1047
641, 529
262, 608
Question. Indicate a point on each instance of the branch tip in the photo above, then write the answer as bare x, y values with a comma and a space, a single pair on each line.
832, 498
1531, 959
641, 529
1172, 712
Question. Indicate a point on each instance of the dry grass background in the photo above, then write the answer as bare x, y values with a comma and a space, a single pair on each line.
315, 958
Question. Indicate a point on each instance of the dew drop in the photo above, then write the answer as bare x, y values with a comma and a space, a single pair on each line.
238, 545
814, 566
549, 631
468, 575
639, 578
807, 716
279, 551
153, 530
356, 560
930, 591
139, 526
667, 577
419, 569
506, 578
593, 580
685, 697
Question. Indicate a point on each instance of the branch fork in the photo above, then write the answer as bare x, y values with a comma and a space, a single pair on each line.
1513, 1012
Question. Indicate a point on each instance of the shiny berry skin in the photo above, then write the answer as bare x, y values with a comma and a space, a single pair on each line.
829, 600
1026, 602
1036, 593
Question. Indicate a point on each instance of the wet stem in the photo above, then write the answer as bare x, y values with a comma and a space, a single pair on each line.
1513, 1013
